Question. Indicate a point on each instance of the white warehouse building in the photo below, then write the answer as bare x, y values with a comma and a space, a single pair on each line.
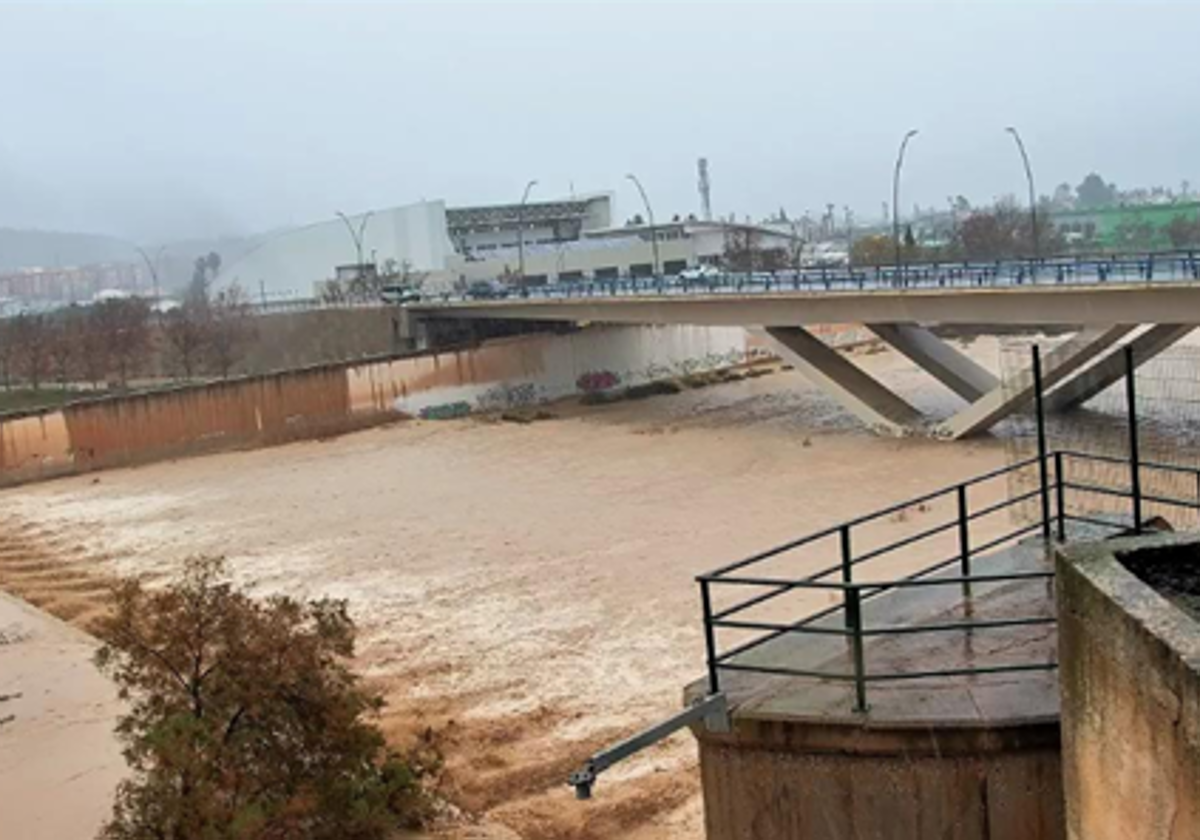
559, 240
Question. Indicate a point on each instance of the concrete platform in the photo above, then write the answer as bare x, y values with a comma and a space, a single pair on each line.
947, 701
956, 757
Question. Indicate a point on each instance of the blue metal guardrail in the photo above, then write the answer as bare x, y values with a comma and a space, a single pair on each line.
1055, 490
1163, 267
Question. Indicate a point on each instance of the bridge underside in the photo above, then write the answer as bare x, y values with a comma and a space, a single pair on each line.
1107, 317
1072, 373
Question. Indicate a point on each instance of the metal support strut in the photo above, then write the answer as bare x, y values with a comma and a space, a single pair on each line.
712, 709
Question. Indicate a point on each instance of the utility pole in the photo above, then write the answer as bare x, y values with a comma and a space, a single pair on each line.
653, 229
1033, 230
896, 193
849, 236
521, 231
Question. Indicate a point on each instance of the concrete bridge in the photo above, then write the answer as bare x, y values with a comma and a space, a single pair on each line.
1151, 302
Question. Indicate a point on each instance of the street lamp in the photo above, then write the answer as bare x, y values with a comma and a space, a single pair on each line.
650, 215
1032, 193
896, 193
357, 236
521, 230
153, 266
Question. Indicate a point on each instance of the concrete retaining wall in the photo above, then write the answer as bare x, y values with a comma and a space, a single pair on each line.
535, 369
1130, 681
808, 780
313, 402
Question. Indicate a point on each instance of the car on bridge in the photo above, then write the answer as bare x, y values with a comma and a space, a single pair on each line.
487, 290
700, 272
399, 294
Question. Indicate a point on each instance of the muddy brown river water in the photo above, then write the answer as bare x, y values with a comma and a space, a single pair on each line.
524, 591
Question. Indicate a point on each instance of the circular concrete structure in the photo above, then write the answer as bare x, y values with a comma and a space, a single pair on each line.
795, 779
972, 757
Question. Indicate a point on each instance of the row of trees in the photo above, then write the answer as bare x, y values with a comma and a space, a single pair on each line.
1004, 232
1184, 232
208, 336
114, 341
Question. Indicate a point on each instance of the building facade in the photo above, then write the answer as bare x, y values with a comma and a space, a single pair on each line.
50, 287
545, 241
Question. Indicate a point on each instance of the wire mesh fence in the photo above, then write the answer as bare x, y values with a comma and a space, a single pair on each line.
1167, 406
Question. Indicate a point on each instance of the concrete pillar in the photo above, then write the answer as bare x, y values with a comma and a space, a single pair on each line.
870, 401
409, 331
1057, 365
937, 358
1090, 382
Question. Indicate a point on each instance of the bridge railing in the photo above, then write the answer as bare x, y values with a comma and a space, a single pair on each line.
1158, 267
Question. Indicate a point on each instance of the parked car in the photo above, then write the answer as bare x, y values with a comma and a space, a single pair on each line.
487, 290
399, 294
700, 272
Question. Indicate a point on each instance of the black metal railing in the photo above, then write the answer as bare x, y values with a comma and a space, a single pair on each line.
1062, 499
1164, 267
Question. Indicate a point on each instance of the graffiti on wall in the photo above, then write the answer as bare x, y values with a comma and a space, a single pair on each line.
445, 411
504, 396
595, 381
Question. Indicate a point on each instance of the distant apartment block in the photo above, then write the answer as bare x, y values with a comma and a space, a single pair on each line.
70, 284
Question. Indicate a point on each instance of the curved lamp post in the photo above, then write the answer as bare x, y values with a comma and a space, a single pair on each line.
1033, 230
653, 228
521, 230
357, 236
152, 265
896, 193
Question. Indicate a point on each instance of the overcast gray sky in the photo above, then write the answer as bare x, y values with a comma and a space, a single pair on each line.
155, 120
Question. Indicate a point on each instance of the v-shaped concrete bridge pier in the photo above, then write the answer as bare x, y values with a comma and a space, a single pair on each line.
1074, 372
1149, 309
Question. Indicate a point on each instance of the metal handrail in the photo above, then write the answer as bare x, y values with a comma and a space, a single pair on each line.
855, 592
1166, 266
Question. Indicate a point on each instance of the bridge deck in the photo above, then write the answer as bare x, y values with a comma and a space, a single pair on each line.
1144, 302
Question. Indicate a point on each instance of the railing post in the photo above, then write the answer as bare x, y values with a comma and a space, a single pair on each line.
964, 536
1059, 496
1041, 440
1135, 472
964, 539
710, 639
847, 568
854, 616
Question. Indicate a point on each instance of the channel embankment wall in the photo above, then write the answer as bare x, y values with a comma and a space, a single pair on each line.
319, 401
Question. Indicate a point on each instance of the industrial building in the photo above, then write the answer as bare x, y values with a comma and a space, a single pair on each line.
542, 241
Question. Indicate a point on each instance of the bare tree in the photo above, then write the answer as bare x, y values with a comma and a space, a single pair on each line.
31, 335
366, 285
124, 329
231, 327
94, 354
333, 292
187, 331
8, 351
409, 277
64, 346
744, 252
